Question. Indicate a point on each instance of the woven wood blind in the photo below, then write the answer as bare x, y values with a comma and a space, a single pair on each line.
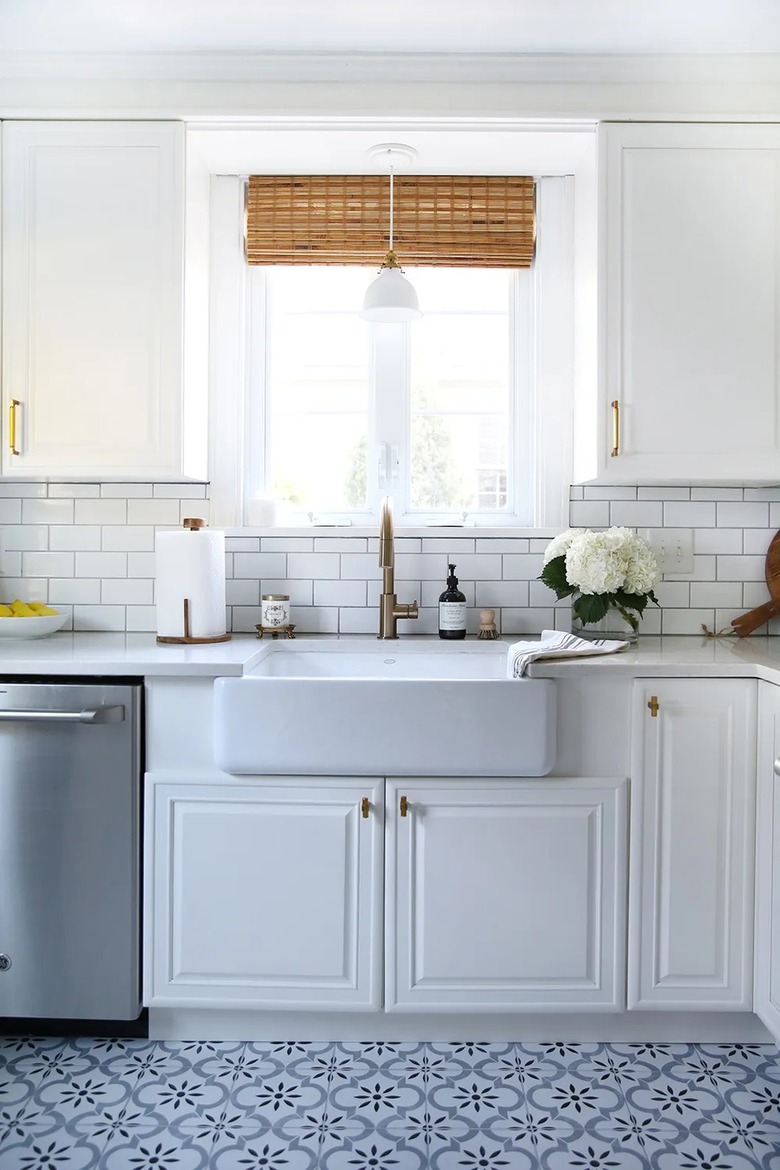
438, 220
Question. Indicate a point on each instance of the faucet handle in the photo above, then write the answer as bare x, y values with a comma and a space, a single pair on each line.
409, 610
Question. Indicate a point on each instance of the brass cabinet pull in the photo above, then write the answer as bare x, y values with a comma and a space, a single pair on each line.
365, 807
616, 427
12, 426
653, 706
404, 806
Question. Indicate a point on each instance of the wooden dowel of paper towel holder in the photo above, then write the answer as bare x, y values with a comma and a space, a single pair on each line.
193, 524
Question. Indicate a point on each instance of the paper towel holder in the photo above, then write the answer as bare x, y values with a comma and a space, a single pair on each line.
193, 524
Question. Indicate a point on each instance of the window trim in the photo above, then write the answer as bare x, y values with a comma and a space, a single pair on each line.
231, 376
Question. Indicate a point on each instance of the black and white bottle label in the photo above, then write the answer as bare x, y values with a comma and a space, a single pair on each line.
452, 615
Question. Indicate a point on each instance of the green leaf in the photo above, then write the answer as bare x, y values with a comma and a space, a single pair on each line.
637, 601
592, 607
554, 576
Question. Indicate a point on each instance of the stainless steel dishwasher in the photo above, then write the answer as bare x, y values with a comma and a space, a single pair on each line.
70, 794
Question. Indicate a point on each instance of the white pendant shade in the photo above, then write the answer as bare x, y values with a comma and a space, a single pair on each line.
390, 298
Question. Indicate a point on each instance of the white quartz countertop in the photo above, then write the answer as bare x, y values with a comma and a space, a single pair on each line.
139, 654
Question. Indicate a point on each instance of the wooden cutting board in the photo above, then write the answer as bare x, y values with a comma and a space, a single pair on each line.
750, 621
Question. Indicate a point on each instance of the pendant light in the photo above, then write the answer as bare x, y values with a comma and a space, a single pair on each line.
391, 297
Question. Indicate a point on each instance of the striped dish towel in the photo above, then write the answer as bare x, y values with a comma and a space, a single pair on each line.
555, 644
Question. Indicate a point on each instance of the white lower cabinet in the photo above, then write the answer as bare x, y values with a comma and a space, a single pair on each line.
767, 954
691, 844
501, 895
263, 893
505, 895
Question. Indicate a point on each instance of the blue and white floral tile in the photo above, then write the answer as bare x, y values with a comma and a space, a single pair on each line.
138, 1105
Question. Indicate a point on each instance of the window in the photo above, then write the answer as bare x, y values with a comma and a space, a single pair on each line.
465, 411
427, 411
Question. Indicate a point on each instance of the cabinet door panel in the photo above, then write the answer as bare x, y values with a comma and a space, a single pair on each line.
266, 894
93, 225
504, 895
767, 975
690, 930
691, 263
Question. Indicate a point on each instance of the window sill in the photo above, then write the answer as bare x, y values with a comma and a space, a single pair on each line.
340, 532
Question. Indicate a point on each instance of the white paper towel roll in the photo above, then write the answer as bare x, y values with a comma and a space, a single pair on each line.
191, 566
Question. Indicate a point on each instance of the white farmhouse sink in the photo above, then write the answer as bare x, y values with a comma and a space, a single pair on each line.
384, 709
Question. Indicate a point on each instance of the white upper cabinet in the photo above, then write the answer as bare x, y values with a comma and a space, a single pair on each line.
690, 932
93, 287
689, 303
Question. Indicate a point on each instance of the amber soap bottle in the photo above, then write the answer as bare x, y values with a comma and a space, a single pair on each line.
452, 609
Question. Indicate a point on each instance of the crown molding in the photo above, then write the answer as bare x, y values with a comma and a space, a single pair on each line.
376, 67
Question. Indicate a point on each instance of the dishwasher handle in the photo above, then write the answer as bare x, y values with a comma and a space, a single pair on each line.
112, 714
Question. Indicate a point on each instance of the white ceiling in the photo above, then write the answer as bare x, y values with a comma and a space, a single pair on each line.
437, 26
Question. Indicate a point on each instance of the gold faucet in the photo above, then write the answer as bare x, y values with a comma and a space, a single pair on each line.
389, 609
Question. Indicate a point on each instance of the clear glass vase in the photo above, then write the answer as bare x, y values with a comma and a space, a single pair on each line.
613, 627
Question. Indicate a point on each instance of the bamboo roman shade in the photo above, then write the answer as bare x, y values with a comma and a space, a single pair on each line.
455, 221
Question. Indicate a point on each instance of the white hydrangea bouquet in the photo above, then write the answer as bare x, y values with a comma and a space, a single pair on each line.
613, 569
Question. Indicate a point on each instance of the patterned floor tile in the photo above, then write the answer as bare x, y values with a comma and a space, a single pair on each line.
141, 1105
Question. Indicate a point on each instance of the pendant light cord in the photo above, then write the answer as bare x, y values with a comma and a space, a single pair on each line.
391, 207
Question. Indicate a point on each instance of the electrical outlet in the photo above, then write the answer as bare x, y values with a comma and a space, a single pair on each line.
673, 548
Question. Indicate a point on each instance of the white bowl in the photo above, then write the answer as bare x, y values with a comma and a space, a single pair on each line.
31, 627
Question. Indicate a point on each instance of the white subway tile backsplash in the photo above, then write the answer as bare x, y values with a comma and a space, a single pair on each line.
141, 619
141, 564
289, 544
259, 564
242, 592
589, 514
717, 540
348, 593
47, 564
673, 594
24, 537
126, 490
744, 568
339, 544
521, 567
21, 490
180, 491
127, 591
99, 617
756, 540
716, 593
90, 546
497, 594
359, 621
612, 492
498, 544
75, 537
36, 511
663, 493
426, 566
313, 565
11, 564
101, 511
153, 512
74, 591
743, 515
636, 513
452, 549
717, 493
686, 621
364, 566
101, 564
26, 588
693, 514
128, 538
299, 592
72, 491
